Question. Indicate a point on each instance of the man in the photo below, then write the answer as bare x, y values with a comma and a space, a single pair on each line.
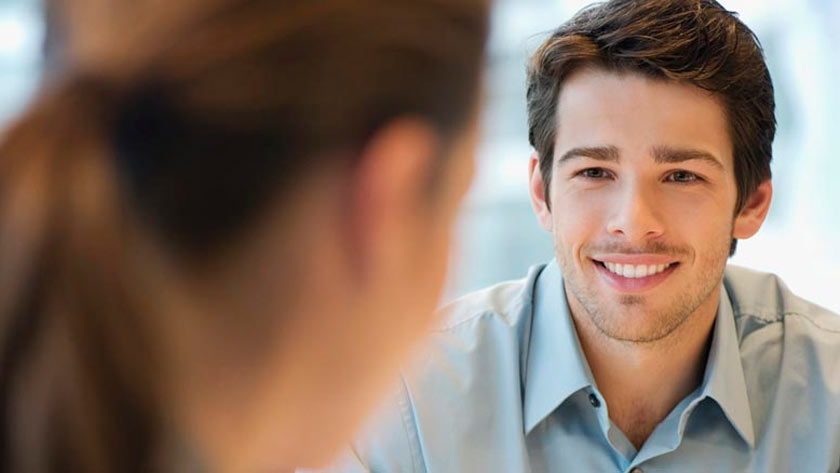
636, 349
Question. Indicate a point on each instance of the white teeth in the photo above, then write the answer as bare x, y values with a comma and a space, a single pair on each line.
635, 271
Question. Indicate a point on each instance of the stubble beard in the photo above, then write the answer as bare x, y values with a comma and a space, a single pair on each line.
611, 317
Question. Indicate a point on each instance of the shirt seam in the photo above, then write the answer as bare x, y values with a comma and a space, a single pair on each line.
813, 322
407, 423
471, 318
778, 317
759, 315
480, 314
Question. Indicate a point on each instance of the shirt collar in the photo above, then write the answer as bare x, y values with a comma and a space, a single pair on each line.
556, 367
723, 380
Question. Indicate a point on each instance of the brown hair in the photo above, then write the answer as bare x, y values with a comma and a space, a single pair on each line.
693, 41
191, 140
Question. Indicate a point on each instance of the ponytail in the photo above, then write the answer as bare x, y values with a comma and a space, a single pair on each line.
76, 384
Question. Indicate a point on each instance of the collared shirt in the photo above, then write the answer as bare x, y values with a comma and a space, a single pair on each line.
505, 387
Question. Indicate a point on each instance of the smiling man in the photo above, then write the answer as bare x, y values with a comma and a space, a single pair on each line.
636, 349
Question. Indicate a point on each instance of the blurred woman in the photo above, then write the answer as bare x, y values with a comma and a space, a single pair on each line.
224, 226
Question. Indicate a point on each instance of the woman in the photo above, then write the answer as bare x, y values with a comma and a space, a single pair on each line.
223, 227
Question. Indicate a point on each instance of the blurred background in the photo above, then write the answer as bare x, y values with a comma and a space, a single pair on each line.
498, 237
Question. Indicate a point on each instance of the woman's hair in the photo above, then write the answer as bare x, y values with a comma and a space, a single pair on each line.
191, 142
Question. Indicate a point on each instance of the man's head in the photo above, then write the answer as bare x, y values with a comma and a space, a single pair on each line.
652, 124
696, 42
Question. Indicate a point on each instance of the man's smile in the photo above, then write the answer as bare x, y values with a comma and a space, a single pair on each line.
634, 273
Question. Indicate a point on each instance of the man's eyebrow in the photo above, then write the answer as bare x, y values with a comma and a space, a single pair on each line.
600, 153
667, 154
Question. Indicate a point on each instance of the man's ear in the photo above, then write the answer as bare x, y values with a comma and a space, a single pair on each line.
388, 189
537, 193
750, 218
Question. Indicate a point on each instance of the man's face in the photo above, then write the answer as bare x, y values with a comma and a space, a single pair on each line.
642, 200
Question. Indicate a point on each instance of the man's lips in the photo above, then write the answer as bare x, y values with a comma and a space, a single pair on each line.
635, 259
635, 273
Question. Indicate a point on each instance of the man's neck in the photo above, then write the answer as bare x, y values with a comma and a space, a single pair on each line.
643, 382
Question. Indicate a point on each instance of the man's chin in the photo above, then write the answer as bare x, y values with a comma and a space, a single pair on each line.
639, 335
631, 319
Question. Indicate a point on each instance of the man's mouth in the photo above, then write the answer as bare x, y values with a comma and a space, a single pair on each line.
635, 276
635, 271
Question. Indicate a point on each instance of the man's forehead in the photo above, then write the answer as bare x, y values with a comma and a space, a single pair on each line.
623, 111
592, 85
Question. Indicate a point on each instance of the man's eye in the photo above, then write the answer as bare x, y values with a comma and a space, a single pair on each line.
593, 173
682, 176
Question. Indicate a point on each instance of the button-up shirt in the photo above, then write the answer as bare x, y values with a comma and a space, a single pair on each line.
504, 386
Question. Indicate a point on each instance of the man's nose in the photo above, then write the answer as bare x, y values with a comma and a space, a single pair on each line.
636, 214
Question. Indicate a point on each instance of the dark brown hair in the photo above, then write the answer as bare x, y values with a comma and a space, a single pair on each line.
191, 140
692, 41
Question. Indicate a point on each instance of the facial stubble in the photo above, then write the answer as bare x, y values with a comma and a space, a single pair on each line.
629, 317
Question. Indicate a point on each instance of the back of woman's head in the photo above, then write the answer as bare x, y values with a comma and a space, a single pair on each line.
190, 133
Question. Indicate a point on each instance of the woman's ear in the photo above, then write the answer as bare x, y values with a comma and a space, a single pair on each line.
389, 188
536, 190
752, 216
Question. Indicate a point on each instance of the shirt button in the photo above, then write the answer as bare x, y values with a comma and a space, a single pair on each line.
637, 470
593, 399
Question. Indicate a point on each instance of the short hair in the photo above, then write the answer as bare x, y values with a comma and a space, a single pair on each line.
695, 42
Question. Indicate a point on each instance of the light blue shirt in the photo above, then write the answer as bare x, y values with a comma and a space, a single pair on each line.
505, 387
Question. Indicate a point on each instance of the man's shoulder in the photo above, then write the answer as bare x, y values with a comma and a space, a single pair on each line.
790, 353
476, 331
506, 302
766, 299
783, 335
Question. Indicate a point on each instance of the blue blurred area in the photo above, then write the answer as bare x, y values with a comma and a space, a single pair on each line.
498, 236
21, 39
